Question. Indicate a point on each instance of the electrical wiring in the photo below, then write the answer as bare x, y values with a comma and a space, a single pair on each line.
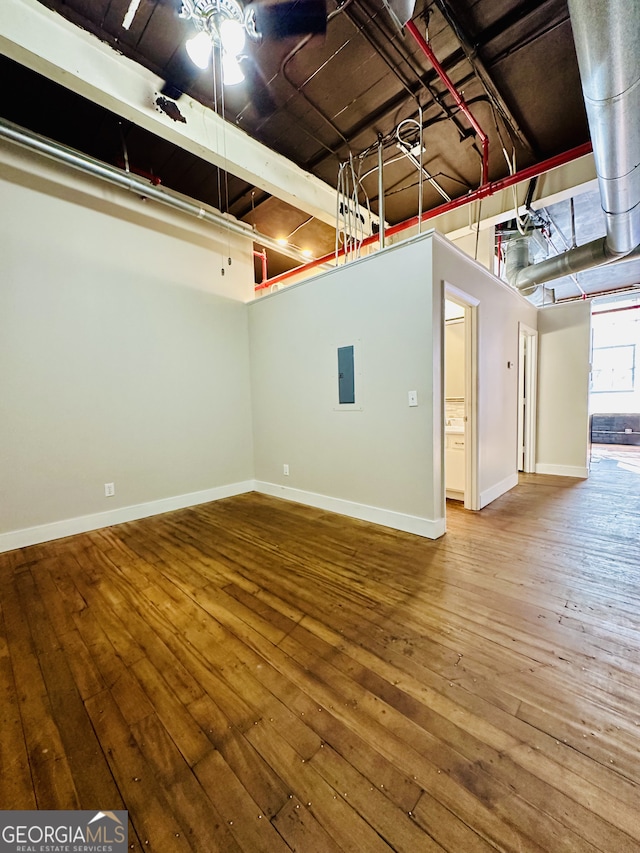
409, 151
521, 223
350, 222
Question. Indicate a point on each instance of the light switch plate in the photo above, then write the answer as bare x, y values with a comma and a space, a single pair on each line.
413, 398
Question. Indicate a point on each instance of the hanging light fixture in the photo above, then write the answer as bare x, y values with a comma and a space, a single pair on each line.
226, 24
200, 48
233, 39
232, 36
221, 24
232, 72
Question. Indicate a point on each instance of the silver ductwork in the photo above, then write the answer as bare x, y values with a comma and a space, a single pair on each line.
517, 257
607, 36
580, 259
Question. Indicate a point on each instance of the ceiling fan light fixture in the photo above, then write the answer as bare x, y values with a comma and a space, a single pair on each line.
232, 37
199, 49
232, 73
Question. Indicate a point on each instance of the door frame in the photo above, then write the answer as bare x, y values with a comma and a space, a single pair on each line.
528, 347
470, 305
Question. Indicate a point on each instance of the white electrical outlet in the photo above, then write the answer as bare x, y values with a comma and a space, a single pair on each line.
285, 470
109, 490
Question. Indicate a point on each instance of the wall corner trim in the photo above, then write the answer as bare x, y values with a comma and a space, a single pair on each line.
562, 470
427, 527
490, 494
83, 524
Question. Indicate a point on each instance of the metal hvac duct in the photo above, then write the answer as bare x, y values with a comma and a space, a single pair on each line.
606, 35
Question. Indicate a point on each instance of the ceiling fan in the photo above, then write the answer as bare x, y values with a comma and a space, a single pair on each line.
225, 28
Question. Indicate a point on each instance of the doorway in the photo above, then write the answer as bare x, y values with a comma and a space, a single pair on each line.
460, 397
527, 396
454, 400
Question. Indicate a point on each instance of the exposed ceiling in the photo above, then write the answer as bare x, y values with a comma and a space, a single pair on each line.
318, 101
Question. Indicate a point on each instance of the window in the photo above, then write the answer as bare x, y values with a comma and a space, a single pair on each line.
613, 369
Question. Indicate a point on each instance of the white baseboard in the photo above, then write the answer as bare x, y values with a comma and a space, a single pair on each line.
562, 470
82, 524
499, 489
427, 527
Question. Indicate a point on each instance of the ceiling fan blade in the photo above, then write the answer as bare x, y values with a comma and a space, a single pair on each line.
280, 20
258, 87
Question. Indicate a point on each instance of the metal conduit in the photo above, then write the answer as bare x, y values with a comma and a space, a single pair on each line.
482, 192
128, 181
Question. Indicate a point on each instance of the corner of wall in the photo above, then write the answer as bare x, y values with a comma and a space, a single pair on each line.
83, 524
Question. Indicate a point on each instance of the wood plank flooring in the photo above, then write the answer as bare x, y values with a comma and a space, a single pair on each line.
255, 676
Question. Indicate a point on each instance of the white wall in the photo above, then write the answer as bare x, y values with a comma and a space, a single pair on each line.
563, 389
383, 462
387, 456
478, 245
124, 357
120, 360
500, 309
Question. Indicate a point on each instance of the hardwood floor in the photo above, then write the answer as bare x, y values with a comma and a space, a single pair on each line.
253, 675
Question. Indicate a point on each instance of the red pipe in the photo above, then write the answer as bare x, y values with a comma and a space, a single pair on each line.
263, 256
482, 192
615, 310
442, 74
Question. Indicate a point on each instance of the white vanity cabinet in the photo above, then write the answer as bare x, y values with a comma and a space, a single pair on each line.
454, 464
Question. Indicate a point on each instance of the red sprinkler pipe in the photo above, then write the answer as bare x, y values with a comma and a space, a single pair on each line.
442, 74
263, 256
482, 192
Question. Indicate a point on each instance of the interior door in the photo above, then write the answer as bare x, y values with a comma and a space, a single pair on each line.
522, 398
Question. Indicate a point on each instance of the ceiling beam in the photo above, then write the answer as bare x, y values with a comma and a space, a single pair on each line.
506, 21
48, 44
